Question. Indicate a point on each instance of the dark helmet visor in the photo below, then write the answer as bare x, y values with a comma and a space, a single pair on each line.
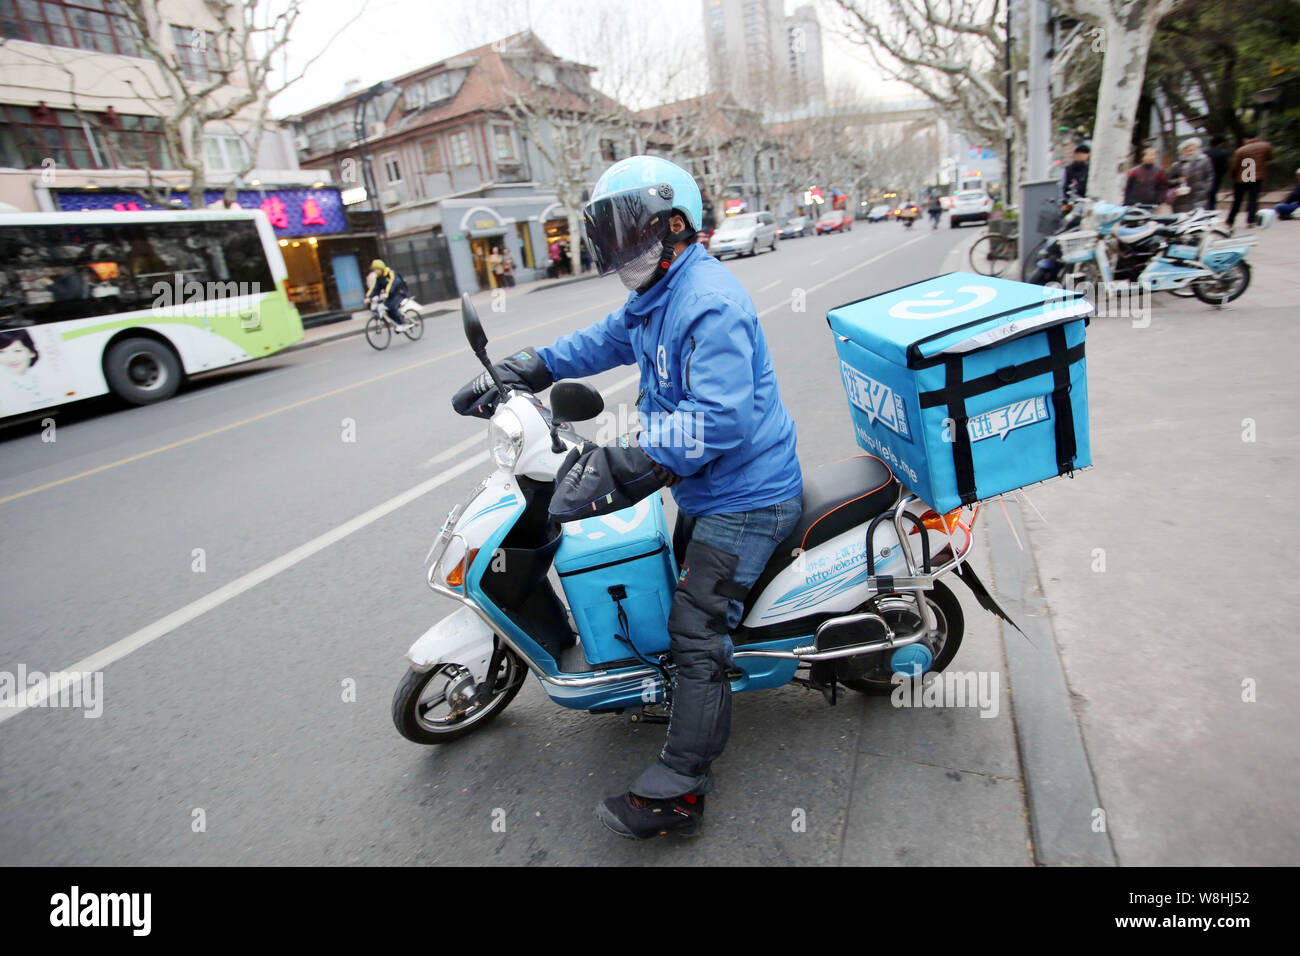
622, 226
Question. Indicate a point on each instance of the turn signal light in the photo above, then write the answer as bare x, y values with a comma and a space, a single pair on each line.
457, 576
945, 524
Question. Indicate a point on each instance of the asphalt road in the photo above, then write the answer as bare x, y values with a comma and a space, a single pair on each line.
238, 564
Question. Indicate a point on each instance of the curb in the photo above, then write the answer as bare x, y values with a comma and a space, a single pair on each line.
348, 333
1059, 784
559, 282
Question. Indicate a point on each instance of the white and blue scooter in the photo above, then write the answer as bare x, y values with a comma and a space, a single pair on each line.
852, 597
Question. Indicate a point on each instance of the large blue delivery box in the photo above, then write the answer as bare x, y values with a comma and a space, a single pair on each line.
619, 575
968, 386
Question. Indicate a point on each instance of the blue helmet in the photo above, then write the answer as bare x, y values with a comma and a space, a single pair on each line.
630, 207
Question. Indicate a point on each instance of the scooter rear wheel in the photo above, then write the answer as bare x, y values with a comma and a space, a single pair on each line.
901, 615
1223, 289
430, 708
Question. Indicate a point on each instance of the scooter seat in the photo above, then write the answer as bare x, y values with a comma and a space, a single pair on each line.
836, 497
839, 496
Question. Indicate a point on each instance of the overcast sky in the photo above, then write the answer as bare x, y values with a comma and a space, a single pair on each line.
396, 36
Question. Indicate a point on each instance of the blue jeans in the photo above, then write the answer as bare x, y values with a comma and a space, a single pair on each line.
753, 535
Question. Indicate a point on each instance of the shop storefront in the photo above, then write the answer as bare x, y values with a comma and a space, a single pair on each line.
326, 265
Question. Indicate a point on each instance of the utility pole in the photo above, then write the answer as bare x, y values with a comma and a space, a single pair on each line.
1011, 106
1040, 105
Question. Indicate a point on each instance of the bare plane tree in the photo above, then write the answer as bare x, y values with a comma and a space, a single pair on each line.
1121, 33
231, 71
950, 51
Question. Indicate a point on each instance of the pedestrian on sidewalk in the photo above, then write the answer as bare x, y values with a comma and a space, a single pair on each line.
496, 265
935, 209
1146, 184
1220, 157
508, 267
554, 252
1288, 207
1074, 181
1249, 168
1194, 178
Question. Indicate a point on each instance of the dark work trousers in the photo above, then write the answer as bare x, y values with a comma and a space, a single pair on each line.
1249, 192
721, 556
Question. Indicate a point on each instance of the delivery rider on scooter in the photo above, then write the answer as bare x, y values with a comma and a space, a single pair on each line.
714, 431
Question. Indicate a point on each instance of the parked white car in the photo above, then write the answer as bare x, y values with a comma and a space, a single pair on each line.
743, 235
972, 205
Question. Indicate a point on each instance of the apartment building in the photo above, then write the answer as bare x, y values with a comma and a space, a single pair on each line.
458, 158
82, 108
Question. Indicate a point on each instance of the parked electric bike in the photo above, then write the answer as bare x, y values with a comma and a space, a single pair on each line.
852, 597
1189, 253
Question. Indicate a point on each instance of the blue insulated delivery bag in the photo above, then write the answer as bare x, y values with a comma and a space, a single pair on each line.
619, 575
968, 386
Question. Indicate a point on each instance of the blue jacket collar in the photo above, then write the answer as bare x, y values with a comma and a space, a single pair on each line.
639, 305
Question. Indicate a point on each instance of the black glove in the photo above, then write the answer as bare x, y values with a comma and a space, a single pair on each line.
598, 480
524, 370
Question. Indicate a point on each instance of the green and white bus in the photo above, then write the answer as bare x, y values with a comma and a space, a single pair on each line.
132, 302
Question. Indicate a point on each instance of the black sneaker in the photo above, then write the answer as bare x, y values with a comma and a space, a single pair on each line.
640, 818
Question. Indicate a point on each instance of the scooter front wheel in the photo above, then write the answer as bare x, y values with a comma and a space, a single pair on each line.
438, 706
901, 614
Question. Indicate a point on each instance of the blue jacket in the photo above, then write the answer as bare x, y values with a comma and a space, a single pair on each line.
709, 398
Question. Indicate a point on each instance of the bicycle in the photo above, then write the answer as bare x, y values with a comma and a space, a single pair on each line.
380, 326
994, 251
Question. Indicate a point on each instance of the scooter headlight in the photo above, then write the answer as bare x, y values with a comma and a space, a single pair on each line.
506, 433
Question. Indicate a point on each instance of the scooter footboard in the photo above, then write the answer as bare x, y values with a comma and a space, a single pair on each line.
459, 638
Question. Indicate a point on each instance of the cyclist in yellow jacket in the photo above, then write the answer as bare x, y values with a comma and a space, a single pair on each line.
389, 288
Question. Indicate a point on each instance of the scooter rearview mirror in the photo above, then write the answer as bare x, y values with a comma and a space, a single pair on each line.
575, 402
473, 327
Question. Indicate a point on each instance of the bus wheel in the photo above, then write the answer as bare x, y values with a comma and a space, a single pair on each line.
142, 371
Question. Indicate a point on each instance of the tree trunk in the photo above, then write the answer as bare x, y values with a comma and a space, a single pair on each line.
575, 243
1122, 72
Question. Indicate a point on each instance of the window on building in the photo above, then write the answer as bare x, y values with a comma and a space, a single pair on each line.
195, 53
439, 87
392, 168
225, 154
39, 138
460, 151
99, 25
431, 155
504, 139
608, 152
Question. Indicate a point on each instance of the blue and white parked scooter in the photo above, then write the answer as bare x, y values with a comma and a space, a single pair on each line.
852, 597
1189, 254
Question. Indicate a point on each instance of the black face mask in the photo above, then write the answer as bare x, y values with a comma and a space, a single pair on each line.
666, 256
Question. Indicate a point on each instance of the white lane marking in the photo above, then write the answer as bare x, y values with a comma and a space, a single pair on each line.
821, 285
43, 690
454, 450
817, 260
164, 626
771, 285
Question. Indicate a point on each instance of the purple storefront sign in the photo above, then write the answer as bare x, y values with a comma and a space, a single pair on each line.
292, 212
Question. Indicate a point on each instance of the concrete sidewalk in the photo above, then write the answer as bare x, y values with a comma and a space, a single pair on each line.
1168, 578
